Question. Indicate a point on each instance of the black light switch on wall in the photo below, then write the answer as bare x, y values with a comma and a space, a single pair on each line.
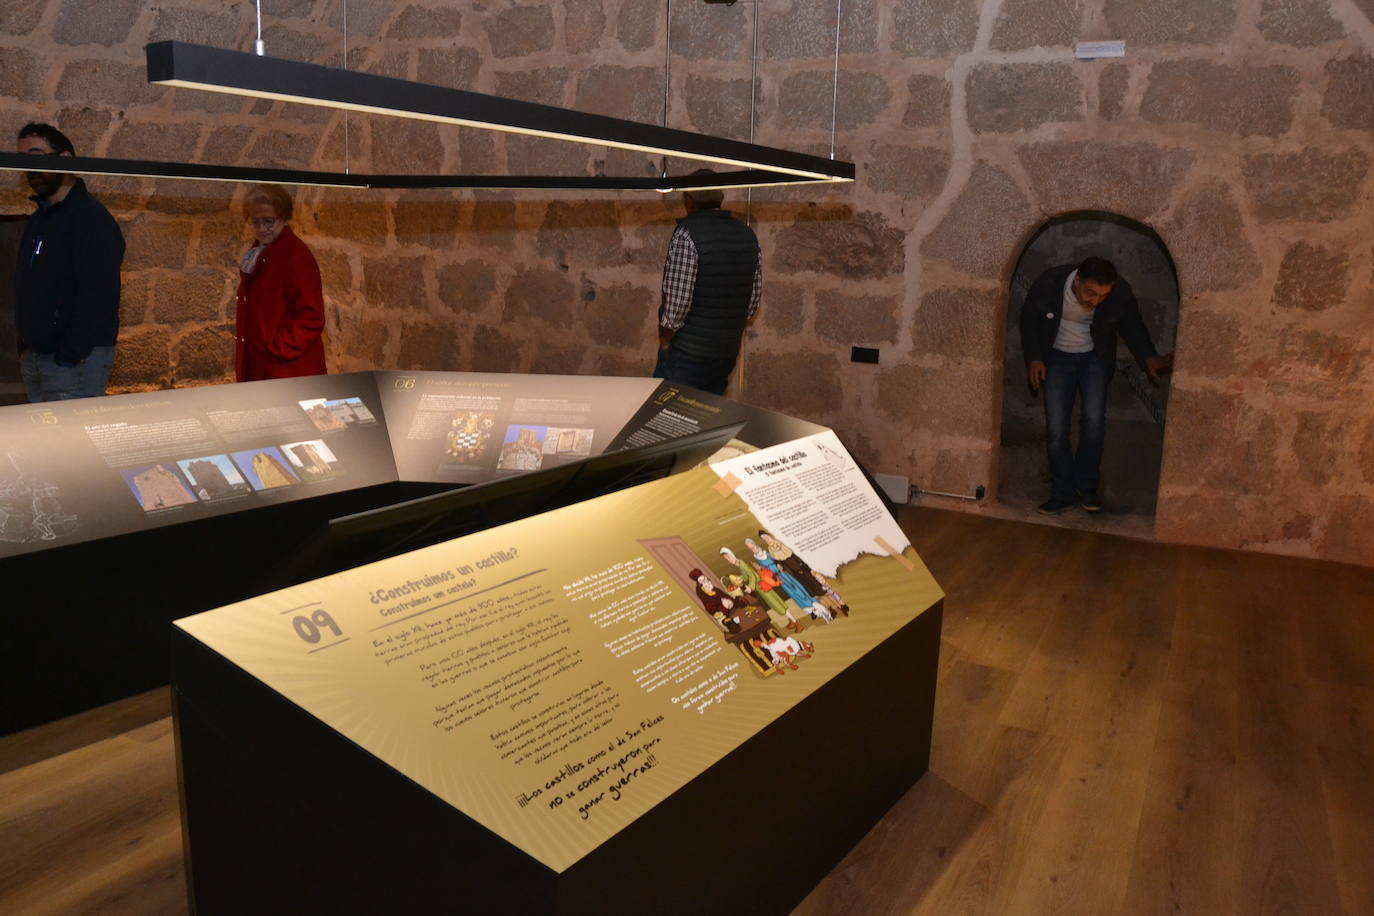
863, 355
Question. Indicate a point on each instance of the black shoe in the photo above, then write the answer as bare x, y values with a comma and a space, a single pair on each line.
1089, 500
1054, 507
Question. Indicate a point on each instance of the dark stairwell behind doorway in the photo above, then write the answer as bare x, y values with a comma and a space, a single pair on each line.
1136, 411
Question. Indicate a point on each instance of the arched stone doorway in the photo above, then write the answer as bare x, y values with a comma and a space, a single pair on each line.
1136, 411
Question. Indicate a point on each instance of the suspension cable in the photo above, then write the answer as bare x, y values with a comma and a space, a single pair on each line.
835, 81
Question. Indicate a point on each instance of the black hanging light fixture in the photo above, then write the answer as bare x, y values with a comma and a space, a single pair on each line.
190, 66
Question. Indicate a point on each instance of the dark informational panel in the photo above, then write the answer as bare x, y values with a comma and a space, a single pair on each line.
674, 411
75, 471
78, 471
468, 427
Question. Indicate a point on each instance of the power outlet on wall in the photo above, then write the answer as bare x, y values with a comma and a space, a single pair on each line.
897, 488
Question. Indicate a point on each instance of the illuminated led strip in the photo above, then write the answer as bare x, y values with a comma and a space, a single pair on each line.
175, 63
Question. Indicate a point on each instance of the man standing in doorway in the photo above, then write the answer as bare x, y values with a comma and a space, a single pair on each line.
711, 285
1069, 325
66, 303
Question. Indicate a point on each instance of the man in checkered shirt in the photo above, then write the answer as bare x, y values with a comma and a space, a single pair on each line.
711, 285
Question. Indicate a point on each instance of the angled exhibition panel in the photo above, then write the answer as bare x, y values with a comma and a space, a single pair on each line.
693, 695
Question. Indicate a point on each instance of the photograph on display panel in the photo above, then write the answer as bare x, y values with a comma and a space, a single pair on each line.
351, 410
523, 449
311, 460
214, 477
158, 487
325, 418
265, 468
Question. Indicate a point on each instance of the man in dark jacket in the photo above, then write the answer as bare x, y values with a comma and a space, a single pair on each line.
711, 286
1069, 324
66, 303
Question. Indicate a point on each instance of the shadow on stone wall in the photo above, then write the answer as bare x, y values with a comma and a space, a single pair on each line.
1136, 410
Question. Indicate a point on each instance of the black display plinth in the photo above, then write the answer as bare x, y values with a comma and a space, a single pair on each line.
283, 813
89, 623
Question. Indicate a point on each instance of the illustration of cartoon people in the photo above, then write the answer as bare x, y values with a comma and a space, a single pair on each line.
831, 598
735, 588
792, 562
793, 589
718, 606
746, 626
768, 594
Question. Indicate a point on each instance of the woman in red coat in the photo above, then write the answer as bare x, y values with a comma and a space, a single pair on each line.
281, 300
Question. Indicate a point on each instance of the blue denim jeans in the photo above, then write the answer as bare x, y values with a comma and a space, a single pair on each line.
710, 375
1067, 377
47, 381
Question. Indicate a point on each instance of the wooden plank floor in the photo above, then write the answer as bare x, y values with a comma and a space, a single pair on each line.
1121, 727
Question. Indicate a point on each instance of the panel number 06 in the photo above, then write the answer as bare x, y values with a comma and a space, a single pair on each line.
311, 628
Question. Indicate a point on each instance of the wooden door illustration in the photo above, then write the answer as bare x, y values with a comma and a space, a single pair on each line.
673, 554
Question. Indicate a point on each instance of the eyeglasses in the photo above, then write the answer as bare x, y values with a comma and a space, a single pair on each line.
264, 223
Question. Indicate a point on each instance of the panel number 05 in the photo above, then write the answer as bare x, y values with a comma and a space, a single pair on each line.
311, 629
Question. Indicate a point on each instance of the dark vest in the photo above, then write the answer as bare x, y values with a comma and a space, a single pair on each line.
727, 256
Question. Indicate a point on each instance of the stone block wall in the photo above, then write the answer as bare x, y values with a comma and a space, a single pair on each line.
1237, 129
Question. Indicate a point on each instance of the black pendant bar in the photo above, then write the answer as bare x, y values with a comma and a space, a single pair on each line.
179, 64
